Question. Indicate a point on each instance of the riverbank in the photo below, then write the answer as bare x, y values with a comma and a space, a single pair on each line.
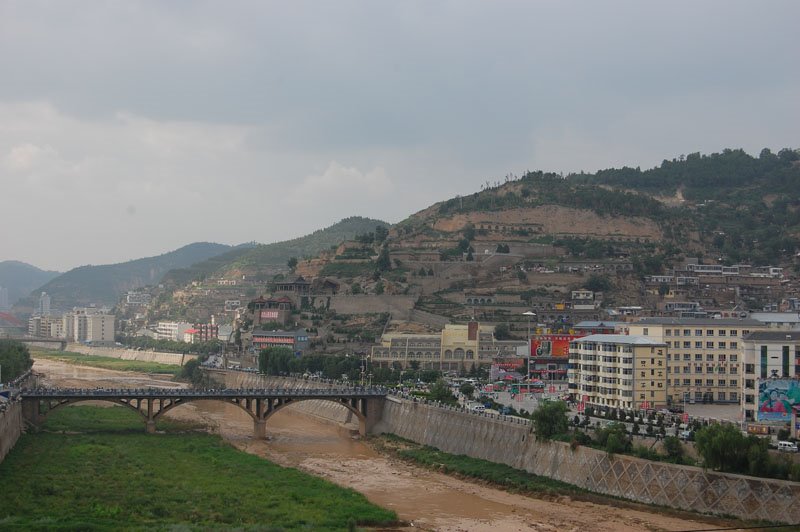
107, 362
93, 468
428, 498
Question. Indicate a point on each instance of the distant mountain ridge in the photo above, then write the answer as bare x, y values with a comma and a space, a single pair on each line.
21, 279
103, 285
276, 255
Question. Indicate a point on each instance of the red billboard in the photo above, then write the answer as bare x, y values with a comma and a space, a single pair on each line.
552, 345
269, 314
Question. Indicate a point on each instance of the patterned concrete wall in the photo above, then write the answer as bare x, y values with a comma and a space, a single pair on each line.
688, 488
177, 359
10, 427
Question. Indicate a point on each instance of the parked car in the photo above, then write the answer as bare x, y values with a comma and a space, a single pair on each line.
787, 446
686, 435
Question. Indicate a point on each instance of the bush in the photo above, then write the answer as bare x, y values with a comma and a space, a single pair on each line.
550, 419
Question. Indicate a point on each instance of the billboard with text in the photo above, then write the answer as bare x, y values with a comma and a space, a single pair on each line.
776, 397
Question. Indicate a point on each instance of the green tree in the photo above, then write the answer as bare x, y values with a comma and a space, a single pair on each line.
598, 283
275, 361
467, 390
725, 448
379, 287
469, 232
383, 263
502, 332
292, 263
14, 359
674, 448
440, 391
549, 419
614, 438
380, 234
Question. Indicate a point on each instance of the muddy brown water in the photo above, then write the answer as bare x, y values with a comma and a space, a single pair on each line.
426, 500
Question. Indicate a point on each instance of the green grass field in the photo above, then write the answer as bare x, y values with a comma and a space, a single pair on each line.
106, 362
105, 473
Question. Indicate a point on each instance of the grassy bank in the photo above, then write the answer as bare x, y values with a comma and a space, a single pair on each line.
519, 481
500, 475
106, 362
104, 473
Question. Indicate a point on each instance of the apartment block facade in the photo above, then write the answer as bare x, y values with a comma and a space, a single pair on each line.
704, 356
771, 383
618, 371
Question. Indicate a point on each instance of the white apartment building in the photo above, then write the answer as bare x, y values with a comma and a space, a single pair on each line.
172, 330
704, 355
771, 383
618, 371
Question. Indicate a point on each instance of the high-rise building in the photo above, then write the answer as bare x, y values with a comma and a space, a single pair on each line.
43, 309
619, 371
4, 298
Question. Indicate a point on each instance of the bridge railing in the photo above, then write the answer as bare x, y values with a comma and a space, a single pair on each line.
194, 393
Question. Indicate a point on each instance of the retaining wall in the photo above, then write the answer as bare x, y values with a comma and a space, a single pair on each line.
688, 488
10, 427
176, 359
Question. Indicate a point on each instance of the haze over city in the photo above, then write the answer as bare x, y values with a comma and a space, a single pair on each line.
131, 129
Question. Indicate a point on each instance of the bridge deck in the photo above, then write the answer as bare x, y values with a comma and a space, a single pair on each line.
172, 393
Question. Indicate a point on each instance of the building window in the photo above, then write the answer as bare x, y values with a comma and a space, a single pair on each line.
764, 361
710, 332
734, 345
698, 357
709, 345
667, 332
687, 332
645, 331
721, 345
721, 332
785, 361
733, 332
709, 358
698, 345
698, 332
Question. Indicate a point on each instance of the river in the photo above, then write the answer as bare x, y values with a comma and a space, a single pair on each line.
426, 500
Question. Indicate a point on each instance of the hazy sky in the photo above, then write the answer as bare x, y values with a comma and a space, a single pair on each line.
128, 129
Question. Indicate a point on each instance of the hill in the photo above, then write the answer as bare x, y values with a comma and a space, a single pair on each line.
264, 259
21, 279
103, 285
729, 205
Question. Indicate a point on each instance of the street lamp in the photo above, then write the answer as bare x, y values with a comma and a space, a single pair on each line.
530, 315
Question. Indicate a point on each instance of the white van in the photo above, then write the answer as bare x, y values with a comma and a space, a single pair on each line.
787, 446
477, 407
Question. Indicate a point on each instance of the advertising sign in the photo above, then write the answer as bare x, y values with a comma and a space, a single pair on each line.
269, 314
776, 397
552, 345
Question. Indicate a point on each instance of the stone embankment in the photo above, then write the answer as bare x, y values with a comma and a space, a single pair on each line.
509, 442
177, 359
10, 425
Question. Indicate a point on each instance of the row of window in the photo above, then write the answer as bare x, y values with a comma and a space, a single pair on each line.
699, 332
699, 345
699, 369
698, 357
733, 383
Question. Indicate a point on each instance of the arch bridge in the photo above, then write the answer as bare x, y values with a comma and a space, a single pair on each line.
260, 404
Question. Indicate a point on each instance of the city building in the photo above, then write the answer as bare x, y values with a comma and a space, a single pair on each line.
137, 299
619, 371
89, 326
771, 380
172, 330
43, 306
4, 299
703, 355
297, 341
455, 348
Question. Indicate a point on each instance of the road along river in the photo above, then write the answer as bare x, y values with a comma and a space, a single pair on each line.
425, 499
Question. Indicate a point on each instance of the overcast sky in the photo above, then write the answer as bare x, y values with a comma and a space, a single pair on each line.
128, 129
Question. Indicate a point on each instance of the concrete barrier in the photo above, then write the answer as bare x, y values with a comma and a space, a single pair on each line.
506, 442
